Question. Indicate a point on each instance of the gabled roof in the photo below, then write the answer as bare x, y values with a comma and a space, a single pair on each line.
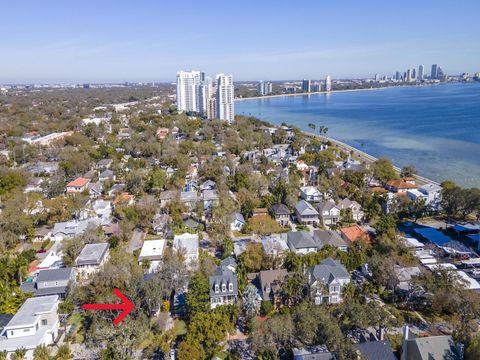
304, 208
300, 240
431, 348
78, 182
61, 274
223, 276
328, 237
280, 209
355, 233
326, 206
375, 350
268, 278
328, 271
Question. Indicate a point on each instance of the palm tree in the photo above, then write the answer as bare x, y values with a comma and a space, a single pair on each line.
19, 354
41, 353
64, 352
3, 355
312, 126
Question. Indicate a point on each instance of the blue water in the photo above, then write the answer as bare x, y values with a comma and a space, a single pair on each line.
435, 128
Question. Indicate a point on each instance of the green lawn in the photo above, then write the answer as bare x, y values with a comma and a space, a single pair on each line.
180, 327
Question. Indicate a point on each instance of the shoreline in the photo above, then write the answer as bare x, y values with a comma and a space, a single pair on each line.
328, 92
366, 157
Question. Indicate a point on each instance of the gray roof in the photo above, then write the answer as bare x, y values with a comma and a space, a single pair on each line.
188, 196
274, 244
223, 275
270, 279
328, 271
431, 348
229, 261
375, 350
210, 195
304, 208
168, 194
208, 184
326, 206
104, 162
281, 209
74, 228
239, 217
313, 353
55, 274
92, 254
300, 240
106, 174
328, 237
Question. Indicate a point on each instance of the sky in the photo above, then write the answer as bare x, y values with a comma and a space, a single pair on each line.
114, 41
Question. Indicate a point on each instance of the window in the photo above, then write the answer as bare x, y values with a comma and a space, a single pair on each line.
230, 287
44, 322
11, 333
26, 330
216, 288
224, 288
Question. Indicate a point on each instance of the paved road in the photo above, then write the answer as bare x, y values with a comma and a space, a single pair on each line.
136, 241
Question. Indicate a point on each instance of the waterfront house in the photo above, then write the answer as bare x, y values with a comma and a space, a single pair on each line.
306, 213
430, 193
301, 242
91, 259
223, 287
401, 185
35, 324
327, 280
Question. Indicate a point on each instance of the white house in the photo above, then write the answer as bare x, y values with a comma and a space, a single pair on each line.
311, 194
152, 250
238, 222
91, 259
34, 324
329, 213
187, 245
327, 281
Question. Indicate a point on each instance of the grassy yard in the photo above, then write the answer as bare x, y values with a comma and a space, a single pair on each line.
180, 327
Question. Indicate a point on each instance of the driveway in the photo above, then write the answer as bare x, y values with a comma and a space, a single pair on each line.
136, 241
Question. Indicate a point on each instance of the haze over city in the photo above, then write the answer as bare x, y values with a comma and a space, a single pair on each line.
115, 41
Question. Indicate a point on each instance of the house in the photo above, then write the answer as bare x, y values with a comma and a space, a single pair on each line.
50, 282
403, 277
162, 133
34, 185
429, 347
35, 323
281, 214
91, 259
306, 213
301, 242
331, 238
103, 210
115, 189
160, 224
274, 245
329, 213
106, 175
208, 185
400, 185
104, 164
189, 198
187, 245
375, 350
270, 283
310, 194
95, 189
210, 198
223, 287
260, 212
355, 233
77, 186
229, 263
319, 352
152, 251
327, 281
430, 193
238, 222
73, 228
355, 208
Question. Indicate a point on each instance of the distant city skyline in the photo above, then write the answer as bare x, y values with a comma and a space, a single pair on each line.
117, 41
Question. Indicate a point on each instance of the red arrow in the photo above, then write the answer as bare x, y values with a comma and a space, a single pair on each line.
126, 306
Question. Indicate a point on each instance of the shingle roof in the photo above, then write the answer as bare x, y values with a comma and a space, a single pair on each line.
267, 279
328, 237
281, 209
304, 208
375, 350
223, 275
55, 274
300, 240
327, 271
432, 348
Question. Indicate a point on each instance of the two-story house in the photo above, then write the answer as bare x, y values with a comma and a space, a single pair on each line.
270, 285
331, 238
50, 282
77, 186
187, 245
223, 287
91, 259
34, 324
152, 252
301, 242
327, 280
306, 213
355, 208
329, 213
310, 194
281, 214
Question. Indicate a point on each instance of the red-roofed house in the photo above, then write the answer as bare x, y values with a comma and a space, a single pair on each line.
401, 185
355, 233
77, 186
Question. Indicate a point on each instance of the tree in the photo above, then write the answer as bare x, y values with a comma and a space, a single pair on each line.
312, 126
198, 295
3, 355
19, 354
158, 179
250, 303
190, 350
41, 353
472, 350
408, 171
252, 257
383, 170
64, 352
263, 225
227, 247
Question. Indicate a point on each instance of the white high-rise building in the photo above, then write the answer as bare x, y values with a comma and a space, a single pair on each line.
225, 97
421, 71
187, 90
328, 83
